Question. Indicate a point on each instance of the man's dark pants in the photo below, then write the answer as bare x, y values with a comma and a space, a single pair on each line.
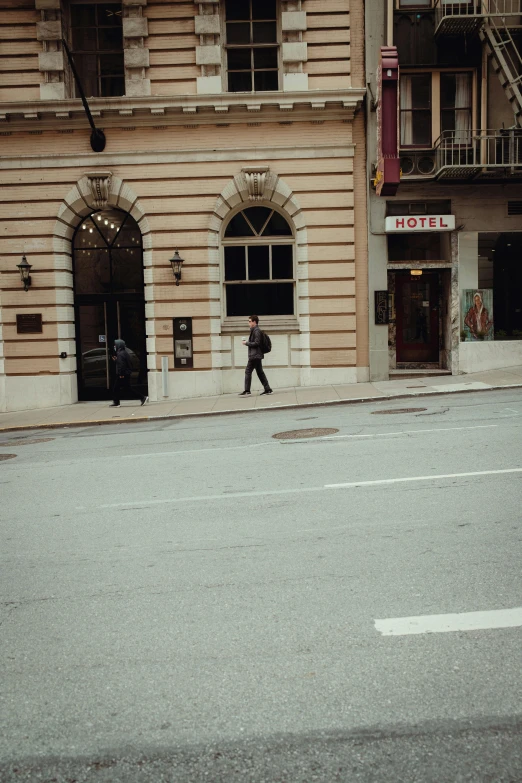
257, 365
123, 384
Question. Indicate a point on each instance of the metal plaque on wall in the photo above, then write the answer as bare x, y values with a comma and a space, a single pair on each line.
183, 350
382, 315
29, 323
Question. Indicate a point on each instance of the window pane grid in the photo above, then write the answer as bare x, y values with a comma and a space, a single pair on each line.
259, 270
251, 26
97, 47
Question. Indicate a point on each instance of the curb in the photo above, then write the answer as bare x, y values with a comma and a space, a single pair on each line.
291, 406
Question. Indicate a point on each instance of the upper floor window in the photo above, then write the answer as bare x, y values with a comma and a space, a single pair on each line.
252, 45
415, 109
420, 92
97, 47
456, 102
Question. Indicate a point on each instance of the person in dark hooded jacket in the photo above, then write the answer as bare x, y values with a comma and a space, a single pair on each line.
123, 375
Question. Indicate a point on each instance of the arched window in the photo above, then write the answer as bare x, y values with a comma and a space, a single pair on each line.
107, 254
259, 272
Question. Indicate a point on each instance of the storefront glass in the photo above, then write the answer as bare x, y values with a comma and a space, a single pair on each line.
490, 285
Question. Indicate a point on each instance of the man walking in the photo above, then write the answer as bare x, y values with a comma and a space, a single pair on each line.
123, 375
255, 357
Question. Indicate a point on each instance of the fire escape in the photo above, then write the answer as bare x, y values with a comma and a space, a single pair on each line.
485, 154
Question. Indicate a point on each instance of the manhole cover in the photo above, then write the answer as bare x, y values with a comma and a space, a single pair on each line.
6, 456
311, 433
20, 442
402, 410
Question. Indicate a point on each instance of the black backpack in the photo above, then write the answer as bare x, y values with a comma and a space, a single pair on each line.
266, 343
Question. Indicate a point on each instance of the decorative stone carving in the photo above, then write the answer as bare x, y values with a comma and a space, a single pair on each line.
100, 185
256, 181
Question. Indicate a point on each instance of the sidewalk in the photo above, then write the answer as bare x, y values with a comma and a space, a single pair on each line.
91, 413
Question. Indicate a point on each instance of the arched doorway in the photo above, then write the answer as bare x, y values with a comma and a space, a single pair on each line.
109, 300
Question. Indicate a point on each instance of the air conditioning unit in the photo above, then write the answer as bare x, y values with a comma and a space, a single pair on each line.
418, 164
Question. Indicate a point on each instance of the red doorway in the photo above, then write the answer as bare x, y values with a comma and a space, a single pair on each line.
417, 317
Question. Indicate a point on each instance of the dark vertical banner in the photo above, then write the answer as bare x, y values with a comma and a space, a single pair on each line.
387, 178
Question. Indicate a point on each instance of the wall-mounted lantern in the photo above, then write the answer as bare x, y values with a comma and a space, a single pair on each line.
177, 262
25, 272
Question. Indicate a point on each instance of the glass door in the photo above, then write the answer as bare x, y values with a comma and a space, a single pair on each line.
94, 351
109, 300
417, 317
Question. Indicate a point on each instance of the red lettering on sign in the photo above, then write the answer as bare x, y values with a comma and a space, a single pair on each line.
433, 223
422, 221
399, 223
443, 224
412, 222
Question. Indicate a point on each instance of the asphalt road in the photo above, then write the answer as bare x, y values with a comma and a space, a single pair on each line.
194, 600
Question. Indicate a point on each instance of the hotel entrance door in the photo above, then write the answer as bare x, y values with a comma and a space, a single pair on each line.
417, 317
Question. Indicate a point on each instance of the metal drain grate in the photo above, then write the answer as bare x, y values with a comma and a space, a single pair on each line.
402, 410
7, 456
20, 442
310, 433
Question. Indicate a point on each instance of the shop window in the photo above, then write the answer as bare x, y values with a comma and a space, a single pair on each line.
258, 254
252, 49
499, 268
97, 47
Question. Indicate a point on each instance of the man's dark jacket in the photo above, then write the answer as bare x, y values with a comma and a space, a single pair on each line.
254, 343
123, 360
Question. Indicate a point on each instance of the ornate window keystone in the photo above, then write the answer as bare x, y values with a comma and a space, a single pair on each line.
99, 184
256, 181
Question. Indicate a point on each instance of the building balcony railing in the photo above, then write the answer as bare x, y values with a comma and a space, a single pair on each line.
456, 17
486, 155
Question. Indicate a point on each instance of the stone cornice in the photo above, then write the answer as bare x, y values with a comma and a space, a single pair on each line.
145, 111
258, 155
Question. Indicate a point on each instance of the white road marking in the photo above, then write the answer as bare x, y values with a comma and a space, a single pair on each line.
196, 451
409, 432
421, 478
297, 490
198, 498
447, 623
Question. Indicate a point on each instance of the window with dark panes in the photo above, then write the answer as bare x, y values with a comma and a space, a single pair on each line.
97, 47
456, 101
252, 45
415, 110
107, 255
415, 247
414, 3
258, 264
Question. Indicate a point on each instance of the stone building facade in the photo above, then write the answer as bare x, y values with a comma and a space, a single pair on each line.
234, 136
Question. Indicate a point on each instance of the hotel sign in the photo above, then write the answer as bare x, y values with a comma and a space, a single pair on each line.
408, 223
